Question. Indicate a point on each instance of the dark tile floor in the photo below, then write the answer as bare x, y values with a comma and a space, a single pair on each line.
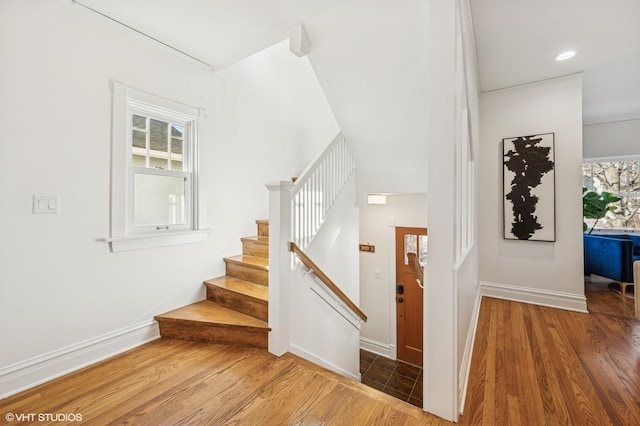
395, 378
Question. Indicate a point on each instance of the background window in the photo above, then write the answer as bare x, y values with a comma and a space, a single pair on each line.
621, 178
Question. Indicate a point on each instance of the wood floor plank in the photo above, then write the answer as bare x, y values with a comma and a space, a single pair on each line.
546, 358
488, 373
564, 367
180, 382
531, 365
299, 389
201, 366
57, 393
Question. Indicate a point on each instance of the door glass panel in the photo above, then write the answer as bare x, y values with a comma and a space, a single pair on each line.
422, 245
410, 246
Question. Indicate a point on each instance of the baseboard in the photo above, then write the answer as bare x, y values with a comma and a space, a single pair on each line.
42, 368
378, 348
297, 350
535, 296
465, 368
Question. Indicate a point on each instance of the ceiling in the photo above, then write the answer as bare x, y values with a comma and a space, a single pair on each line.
216, 32
517, 41
372, 55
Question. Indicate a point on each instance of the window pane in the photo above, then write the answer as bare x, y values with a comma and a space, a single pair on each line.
139, 160
159, 200
158, 141
626, 215
139, 139
608, 176
587, 180
634, 181
176, 131
139, 149
139, 122
422, 245
410, 246
176, 154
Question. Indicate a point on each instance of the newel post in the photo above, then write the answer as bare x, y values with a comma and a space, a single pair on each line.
279, 266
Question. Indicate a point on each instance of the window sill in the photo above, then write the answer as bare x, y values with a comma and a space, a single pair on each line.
139, 242
616, 231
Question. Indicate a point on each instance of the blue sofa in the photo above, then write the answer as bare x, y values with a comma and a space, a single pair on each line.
612, 256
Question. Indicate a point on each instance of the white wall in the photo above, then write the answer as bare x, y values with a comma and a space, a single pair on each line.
451, 293
466, 271
537, 272
611, 139
377, 294
372, 56
317, 332
271, 120
65, 300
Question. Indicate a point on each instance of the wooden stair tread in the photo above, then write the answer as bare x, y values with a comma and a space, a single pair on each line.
257, 239
208, 312
250, 261
237, 285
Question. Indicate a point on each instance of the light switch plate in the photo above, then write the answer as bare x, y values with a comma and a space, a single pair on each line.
46, 204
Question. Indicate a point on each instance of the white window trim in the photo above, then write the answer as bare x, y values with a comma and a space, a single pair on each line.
120, 236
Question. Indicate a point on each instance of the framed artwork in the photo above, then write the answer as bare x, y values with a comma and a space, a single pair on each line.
529, 188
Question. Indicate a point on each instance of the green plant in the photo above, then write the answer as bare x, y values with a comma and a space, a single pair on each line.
595, 206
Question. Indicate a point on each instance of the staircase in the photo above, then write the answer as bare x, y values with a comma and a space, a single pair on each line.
236, 310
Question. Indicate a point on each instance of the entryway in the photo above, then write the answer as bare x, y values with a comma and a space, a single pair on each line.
395, 378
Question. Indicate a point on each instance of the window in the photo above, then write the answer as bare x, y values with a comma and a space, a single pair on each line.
154, 170
160, 173
619, 177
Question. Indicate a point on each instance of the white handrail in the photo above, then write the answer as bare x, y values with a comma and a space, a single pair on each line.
317, 188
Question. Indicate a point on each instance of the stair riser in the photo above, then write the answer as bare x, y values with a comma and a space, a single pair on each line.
251, 248
263, 229
214, 334
247, 273
239, 302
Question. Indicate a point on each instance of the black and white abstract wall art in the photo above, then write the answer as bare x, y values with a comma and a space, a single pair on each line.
529, 187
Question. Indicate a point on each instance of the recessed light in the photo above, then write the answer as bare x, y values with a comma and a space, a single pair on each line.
566, 55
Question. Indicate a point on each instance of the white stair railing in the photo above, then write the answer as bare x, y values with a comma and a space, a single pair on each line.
296, 214
317, 188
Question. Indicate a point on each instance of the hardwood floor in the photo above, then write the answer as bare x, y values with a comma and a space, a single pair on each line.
175, 382
543, 366
531, 366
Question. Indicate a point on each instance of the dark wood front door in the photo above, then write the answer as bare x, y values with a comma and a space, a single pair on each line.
409, 295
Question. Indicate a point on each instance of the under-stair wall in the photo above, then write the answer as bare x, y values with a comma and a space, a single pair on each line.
305, 317
319, 332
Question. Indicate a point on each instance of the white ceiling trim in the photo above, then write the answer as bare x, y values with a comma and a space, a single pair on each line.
531, 83
139, 34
